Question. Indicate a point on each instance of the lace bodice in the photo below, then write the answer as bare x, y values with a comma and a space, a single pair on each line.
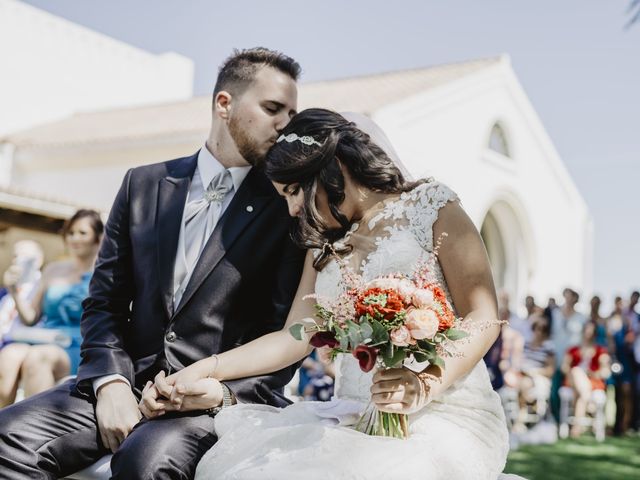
303, 440
394, 237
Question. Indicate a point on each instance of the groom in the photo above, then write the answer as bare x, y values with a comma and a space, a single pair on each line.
196, 259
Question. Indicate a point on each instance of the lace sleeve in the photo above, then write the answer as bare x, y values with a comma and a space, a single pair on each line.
422, 206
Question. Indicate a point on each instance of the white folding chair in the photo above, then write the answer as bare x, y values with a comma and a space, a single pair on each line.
596, 421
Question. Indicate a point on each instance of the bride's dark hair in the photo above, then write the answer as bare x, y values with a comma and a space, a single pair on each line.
312, 165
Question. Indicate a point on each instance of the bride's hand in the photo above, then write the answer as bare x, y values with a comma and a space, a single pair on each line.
188, 375
199, 395
398, 390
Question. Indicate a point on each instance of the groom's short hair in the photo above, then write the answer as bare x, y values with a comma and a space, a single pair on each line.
239, 70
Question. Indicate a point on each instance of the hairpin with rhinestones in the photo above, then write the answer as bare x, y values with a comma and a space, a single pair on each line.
292, 137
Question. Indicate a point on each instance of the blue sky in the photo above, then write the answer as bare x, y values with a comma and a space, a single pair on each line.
576, 61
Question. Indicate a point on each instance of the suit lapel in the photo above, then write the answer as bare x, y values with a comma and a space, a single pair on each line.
251, 198
172, 196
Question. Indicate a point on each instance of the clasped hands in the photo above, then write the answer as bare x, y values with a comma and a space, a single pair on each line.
118, 413
187, 390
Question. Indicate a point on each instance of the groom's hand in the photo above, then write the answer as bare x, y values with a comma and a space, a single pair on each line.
116, 412
151, 404
156, 395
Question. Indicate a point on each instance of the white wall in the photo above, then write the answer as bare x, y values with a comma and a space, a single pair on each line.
50, 68
91, 176
445, 133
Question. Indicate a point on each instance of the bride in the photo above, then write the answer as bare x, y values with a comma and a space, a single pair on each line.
352, 201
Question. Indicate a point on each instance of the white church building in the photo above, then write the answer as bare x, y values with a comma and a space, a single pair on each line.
70, 128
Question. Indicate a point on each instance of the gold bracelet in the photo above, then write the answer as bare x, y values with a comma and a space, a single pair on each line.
425, 386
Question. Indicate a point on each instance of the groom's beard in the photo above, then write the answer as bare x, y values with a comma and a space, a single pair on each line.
245, 144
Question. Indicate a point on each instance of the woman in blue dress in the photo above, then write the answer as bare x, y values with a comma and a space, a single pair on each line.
56, 305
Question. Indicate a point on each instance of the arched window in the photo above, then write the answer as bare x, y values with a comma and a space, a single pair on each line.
498, 141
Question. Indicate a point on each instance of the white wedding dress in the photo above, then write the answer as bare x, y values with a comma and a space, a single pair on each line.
461, 434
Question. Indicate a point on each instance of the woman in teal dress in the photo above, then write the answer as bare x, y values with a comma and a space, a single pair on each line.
62, 310
56, 305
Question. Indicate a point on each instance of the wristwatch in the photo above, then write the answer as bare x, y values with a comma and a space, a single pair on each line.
227, 401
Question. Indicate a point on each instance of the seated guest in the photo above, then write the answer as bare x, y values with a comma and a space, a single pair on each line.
566, 331
28, 255
567, 324
586, 367
538, 364
511, 354
533, 311
57, 305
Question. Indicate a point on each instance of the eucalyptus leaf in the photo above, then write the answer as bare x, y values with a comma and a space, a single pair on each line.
422, 356
438, 361
380, 334
453, 334
355, 338
355, 334
366, 330
343, 338
426, 345
394, 358
296, 330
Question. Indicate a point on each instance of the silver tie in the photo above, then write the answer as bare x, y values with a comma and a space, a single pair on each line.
200, 218
202, 215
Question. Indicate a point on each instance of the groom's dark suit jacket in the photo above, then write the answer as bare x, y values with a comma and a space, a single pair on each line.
241, 288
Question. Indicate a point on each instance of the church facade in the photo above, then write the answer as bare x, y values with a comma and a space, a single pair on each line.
467, 124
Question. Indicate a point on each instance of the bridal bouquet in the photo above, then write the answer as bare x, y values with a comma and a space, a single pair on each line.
386, 322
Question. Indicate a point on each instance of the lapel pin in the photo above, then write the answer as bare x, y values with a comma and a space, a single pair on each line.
249, 208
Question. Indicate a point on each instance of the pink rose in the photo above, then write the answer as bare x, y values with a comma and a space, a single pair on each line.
384, 283
422, 323
422, 298
401, 337
406, 289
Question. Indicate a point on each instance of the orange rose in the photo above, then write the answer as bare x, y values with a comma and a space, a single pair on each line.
446, 320
386, 305
439, 295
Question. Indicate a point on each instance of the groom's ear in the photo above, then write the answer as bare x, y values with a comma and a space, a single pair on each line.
222, 104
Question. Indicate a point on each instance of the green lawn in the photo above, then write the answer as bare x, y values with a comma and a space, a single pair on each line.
584, 459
